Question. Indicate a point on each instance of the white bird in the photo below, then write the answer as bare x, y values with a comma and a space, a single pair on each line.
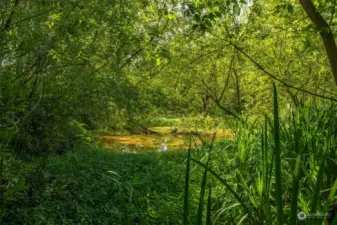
126, 149
164, 146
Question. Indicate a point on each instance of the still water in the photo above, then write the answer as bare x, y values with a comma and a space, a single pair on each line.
164, 140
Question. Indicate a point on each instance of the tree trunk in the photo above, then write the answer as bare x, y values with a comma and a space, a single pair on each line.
325, 32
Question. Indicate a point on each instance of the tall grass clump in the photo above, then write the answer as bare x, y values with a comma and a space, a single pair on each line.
274, 168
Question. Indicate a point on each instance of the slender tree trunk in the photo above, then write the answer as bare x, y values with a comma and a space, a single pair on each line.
325, 32
238, 93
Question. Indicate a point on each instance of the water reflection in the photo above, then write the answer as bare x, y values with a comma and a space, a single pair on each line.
163, 146
142, 143
155, 142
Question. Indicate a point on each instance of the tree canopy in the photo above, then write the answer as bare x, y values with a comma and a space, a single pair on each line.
107, 63
70, 68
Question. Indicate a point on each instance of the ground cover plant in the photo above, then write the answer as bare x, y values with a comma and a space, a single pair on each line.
96, 186
231, 182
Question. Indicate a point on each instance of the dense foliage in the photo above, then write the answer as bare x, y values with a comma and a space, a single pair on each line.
68, 67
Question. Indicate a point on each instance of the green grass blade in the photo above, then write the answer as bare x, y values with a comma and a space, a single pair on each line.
209, 207
230, 189
330, 197
294, 194
334, 222
295, 176
244, 185
242, 219
266, 173
124, 209
319, 180
264, 163
202, 197
270, 166
278, 184
203, 186
187, 178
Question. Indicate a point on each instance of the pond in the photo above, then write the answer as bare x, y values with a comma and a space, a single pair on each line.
165, 138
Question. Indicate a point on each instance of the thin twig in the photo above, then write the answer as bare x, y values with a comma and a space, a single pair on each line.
258, 65
34, 16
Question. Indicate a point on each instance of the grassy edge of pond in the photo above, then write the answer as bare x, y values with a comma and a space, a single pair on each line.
82, 186
175, 137
96, 186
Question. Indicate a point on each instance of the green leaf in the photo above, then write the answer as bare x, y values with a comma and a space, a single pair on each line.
187, 180
230, 189
209, 207
171, 16
158, 61
278, 183
197, 17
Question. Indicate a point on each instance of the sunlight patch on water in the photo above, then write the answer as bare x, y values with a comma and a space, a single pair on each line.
145, 142
176, 139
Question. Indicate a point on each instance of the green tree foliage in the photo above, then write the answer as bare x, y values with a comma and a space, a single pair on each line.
69, 66
109, 63
68, 63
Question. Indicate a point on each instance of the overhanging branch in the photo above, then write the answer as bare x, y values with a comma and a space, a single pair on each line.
258, 65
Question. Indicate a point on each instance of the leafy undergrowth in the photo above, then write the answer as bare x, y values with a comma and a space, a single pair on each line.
95, 186
271, 172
